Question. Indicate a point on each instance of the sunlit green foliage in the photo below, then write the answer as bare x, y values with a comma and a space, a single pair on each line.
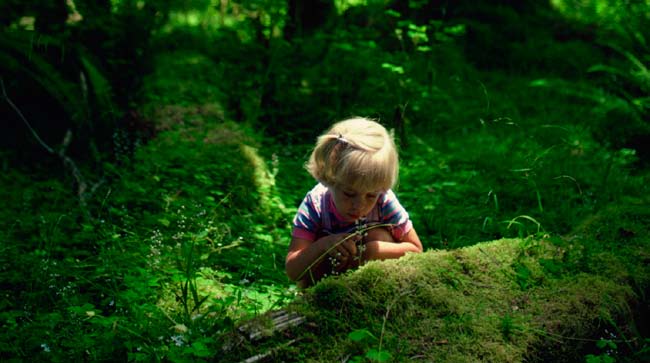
523, 125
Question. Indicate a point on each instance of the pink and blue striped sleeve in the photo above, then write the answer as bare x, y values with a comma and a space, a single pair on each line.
307, 220
393, 213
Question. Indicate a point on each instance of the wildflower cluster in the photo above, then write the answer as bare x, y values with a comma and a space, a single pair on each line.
360, 228
155, 248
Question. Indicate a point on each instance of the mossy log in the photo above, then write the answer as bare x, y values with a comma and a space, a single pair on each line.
540, 298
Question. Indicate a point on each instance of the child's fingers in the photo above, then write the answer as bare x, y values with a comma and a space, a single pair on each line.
345, 247
339, 252
350, 247
342, 265
339, 258
355, 237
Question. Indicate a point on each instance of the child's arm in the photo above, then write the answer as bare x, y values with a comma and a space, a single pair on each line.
304, 253
382, 250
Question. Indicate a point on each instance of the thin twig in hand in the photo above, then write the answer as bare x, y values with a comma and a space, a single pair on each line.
320, 258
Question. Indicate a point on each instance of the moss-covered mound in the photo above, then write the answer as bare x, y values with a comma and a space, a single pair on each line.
197, 158
535, 299
201, 187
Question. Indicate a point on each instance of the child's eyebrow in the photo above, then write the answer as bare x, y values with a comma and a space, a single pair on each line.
353, 191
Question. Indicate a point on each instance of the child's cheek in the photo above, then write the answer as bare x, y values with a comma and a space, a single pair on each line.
368, 207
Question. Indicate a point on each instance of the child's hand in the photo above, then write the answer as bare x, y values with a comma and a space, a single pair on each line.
343, 252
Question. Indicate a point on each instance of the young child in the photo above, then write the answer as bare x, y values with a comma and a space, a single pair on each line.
356, 165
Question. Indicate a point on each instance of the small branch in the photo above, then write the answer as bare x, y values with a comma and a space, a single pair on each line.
82, 185
261, 356
388, 308
494, 260
561, 338
22, 117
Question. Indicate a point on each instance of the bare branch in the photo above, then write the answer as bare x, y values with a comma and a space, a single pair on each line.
22, 117
82, 185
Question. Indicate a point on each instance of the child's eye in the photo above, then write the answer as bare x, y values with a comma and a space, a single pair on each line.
349, 195
371, 196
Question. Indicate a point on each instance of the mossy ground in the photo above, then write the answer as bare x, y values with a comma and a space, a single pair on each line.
539, 298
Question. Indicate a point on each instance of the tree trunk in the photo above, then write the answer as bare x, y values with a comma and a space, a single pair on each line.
307, 16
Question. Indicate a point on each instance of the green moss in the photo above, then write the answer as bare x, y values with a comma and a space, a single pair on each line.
502, 301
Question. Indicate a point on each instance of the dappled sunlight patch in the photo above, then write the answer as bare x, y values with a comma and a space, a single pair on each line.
217, 301
184, 84
264, 179
168, 117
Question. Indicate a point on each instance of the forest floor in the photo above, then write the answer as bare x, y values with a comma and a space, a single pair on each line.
493, 301
536, 236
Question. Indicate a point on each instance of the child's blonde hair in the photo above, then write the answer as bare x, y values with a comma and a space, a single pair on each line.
356, 152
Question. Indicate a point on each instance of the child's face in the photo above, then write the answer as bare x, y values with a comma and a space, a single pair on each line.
353, 204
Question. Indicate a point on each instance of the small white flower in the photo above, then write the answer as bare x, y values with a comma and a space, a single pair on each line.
178, 340
45, 347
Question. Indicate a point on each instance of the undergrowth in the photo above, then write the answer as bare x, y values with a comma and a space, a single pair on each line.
184, 238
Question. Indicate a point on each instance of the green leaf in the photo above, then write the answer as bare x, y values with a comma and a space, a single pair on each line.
200, 350
152, 282
361, 335
539, 83
393, 13
100, 84
378, 355
345, 46
612, 344
394, 68
456, 29
81, 310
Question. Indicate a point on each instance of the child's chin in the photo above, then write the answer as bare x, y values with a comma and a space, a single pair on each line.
352, 217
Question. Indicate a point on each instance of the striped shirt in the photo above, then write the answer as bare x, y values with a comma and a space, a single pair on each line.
310, 224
